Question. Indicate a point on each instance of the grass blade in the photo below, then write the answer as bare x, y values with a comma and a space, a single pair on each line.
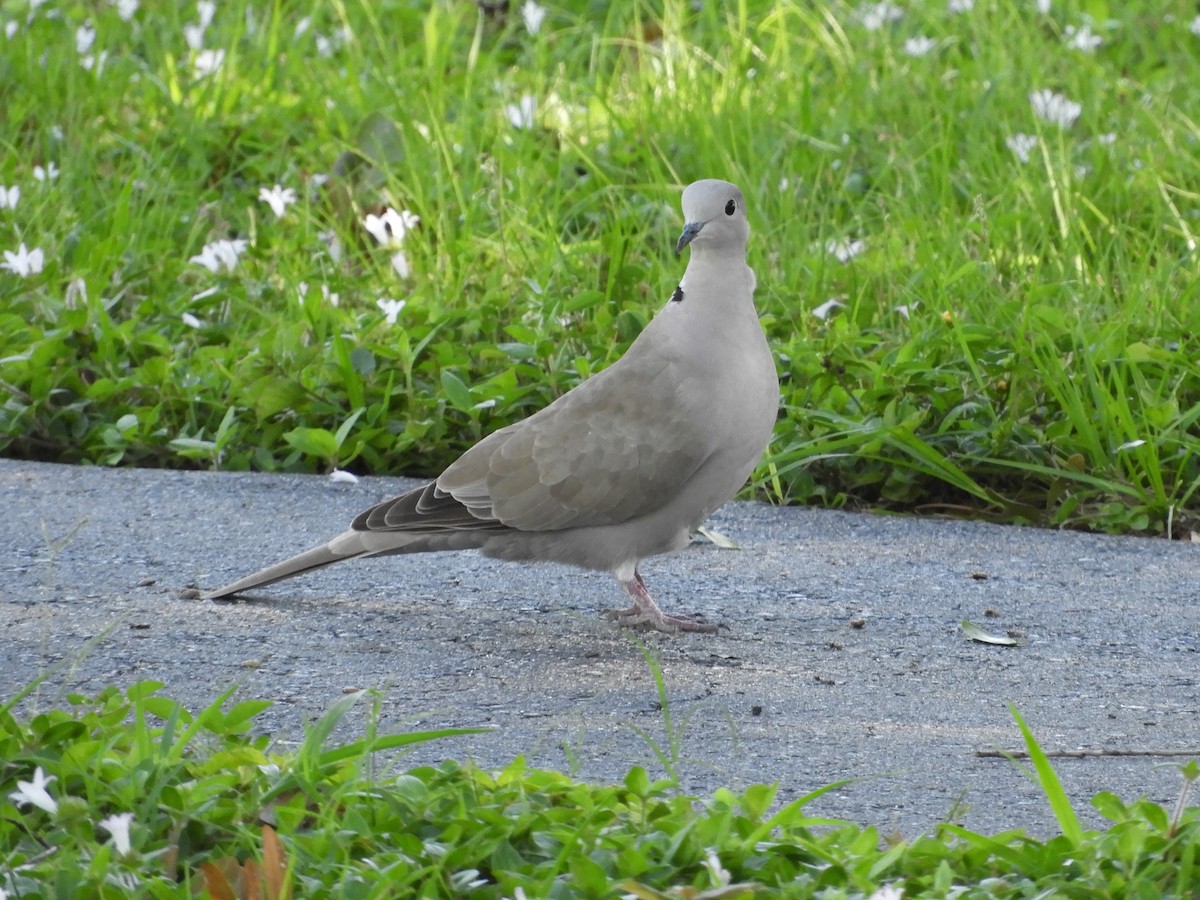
1051, 786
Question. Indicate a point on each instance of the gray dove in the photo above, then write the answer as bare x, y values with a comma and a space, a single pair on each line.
624, 466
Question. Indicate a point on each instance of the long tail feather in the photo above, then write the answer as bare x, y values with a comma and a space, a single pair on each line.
305, 562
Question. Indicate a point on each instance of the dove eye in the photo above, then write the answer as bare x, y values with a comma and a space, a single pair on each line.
730, 208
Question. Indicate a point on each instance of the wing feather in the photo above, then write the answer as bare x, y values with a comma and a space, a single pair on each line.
619, 446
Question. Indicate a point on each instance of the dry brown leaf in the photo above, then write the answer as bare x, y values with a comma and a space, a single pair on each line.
275, 866
252, 879
227, 879
215, 880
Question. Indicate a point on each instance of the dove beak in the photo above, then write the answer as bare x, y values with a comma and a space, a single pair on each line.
690, 230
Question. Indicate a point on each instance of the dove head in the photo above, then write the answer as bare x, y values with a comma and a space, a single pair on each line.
714, 215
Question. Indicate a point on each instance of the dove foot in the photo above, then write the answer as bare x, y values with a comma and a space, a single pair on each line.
646, 612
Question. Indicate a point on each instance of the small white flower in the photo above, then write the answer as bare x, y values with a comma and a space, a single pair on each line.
522, 113
329, 45
118, 827
1107, 139
24, 262
9, 196
784, 184
906, 310
85, 36
845, 250
206, 9
191, 321
719, 875
888, 892
333, 242
826, 309
35, 791
1022, 145
1083, 38
533, 16
400, 264
278, 198
402, 222
218, 255
340, 476
377, 227
76, 295
390, 308
919, 46
94, 62
194, 36
1054, 108
1043, 7
207, 62
49, 173
10, 28
960, 6
126, 9
875, 15
327, 295
391, 228
1194, 28
208, 258
302, 26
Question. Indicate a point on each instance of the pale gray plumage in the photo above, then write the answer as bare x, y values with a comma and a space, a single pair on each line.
627, 464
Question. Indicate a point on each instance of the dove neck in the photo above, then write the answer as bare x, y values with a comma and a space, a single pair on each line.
719, 262
719, 254
718, 265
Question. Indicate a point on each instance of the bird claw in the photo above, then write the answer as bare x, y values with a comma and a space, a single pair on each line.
636, 618
645, 612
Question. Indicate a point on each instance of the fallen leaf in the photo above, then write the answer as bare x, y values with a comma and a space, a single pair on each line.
718, 539
975, 633
275, 866
216, 881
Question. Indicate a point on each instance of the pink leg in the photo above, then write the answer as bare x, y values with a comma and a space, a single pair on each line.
646, 612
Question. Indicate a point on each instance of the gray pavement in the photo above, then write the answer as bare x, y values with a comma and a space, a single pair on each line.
842, 657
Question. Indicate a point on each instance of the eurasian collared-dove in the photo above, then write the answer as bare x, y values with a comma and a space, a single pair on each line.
624, 466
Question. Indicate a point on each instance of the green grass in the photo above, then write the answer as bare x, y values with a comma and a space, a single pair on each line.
1046, 370
209, 807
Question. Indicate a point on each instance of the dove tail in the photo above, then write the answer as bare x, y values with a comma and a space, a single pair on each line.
297, 565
